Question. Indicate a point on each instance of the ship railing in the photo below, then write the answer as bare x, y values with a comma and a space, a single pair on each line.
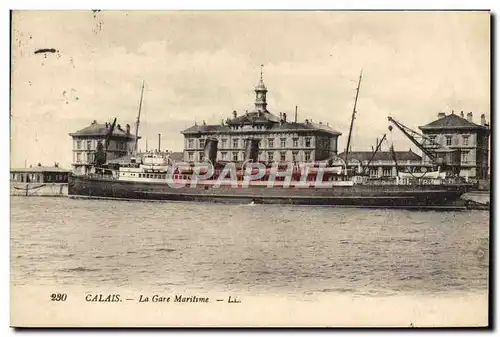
103, 176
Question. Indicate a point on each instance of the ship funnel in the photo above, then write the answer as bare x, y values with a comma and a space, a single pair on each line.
210, 150
252, 149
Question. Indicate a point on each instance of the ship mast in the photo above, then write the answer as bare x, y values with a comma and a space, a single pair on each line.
138, 120
352, 117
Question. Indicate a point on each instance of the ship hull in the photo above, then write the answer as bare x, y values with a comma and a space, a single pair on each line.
389, 196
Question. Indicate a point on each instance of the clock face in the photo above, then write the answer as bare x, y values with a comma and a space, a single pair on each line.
260, 95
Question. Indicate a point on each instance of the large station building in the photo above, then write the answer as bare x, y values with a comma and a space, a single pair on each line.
281, 139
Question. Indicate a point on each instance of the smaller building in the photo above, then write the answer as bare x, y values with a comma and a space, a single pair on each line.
460, 133
383, 164
39, 174
85, 142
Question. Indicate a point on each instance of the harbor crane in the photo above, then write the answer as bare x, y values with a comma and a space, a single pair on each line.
438, 154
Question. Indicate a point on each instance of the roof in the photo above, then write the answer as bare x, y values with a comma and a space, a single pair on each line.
452, 121
36, 169
285, 126
381, 155
97, 129
257, 117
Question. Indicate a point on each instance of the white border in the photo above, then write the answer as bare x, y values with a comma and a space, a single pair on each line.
145, 4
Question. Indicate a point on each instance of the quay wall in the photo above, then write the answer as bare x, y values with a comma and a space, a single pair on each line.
39, 189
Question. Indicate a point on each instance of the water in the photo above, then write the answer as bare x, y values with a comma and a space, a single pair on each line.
250, 248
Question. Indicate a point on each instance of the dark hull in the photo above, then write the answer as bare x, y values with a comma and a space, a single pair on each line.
386, 196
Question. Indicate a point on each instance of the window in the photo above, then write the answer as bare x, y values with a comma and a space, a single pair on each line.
294, 156
78, 157
307, 155
78, 144
223, 143
201, 156
189, 143
89, 144
308, 142
270, 156
235, 144
448, 140
235, 156
387, 171
223, 155
283, 156
283, 142
202, 143
465, 157
465, 140
270, 143
295, 142
190, 156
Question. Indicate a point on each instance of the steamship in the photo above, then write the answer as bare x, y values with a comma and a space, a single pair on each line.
156, 177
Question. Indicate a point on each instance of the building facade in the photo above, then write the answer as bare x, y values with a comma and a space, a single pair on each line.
39, 174
281, 139
455, 132
85, 141
383, 164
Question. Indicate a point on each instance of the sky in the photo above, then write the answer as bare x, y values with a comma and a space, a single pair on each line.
201, 65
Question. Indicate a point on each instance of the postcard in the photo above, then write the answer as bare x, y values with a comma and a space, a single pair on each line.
250, 168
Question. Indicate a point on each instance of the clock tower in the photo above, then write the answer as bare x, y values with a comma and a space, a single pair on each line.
260, 95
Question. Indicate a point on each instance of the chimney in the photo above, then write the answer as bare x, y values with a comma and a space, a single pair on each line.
252, 149
452, 112
128, 129
159, 142
462, 114
235, 114
296, 114
281, 116
469, 116
441, 115
284, 117
483, 119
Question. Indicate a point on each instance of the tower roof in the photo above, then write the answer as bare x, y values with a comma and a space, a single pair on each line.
261, 86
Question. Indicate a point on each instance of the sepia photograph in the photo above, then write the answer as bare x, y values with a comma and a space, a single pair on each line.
250, 168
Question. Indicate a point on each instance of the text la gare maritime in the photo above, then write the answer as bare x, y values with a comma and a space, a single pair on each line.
177, 298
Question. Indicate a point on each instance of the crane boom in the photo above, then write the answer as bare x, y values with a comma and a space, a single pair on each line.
138, 120
353, 116
108, 135
412, 134
374, 153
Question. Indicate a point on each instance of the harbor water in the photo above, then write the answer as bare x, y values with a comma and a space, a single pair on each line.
296, 252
